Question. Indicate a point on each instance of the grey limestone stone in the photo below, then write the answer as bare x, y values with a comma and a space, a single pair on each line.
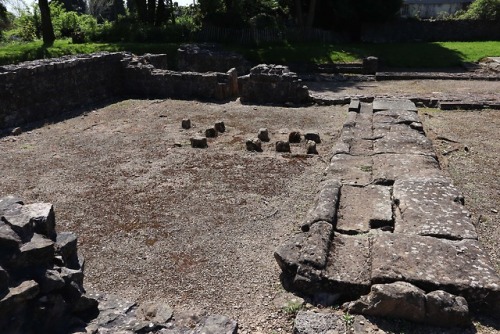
355, 170
309, 322
217, 324
396, 104
446, 310
354, 105
325, 208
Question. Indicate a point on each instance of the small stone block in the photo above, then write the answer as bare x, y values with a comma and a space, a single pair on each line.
311, 147
294, 137
254, 145
283, 146
263, 135
186, 123
16, 131
314, 136
199, 142
211, 133
220, 127
354, 105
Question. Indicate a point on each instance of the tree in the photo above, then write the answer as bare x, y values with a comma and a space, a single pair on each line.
47, 29
79, 6
482, 10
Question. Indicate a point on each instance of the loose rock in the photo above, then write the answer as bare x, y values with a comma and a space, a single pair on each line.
220, 127
294, 137
211, 133
199, 142
314, 136
186, 123
283, 146
263, 135
311, 147
254, 145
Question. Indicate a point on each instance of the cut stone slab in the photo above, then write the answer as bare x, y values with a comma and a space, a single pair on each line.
326, 205
364, 208
348, 268
309, 322
354, 170
396, 117
390, 167
386, 104
431, 207
401, 139
354, 105
315, 249
458, 267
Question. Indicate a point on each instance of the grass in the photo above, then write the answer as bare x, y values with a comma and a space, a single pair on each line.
404, 55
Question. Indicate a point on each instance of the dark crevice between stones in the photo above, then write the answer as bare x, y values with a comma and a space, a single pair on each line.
349, 232
383, 225
383, 182
442, 236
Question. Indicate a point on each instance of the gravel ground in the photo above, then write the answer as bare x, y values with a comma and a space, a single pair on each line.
197, 228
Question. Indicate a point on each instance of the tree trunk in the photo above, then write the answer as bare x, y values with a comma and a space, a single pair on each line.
142, 11
298, 13
151, 11
47, 29
311, 13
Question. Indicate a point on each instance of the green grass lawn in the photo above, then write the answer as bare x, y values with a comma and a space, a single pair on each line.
408, 55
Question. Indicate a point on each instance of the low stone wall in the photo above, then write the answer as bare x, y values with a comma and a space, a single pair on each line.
37, 90
33, 91
41, 273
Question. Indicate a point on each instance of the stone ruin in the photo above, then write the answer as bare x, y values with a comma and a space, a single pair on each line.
28, 90
41, 272
389, 234
41, 285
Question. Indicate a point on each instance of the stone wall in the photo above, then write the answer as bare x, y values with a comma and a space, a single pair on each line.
33, 91
37, 90
41, 273
431, 31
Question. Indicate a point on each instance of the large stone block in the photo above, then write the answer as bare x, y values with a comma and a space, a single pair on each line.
458, 267
354, 170
390, 167
325, 208
432, 207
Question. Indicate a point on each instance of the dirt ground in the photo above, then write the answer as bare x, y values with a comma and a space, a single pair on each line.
158, 220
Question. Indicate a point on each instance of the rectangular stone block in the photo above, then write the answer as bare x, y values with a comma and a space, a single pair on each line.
431, 207
396, 117
386, 104
390, 167
458, 267
356, 170
364, 208
326, 205
401, 139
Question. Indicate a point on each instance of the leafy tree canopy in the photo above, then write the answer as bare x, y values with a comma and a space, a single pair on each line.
482, 10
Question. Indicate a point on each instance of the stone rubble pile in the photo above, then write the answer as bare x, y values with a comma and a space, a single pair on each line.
386, 213
41, 273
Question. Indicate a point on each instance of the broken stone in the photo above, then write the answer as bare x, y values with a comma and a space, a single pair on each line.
50, 281
217, 324
16, 131
326, 205
446, 310
27, 290
159, 313
9, 240
186, 123
66, 246
263, 135
313, 135
283, 146
211, 133
311, 147
199, 142
220, 126
254, 145
400, 300
37, 217
294, 137
38, 251
8, 201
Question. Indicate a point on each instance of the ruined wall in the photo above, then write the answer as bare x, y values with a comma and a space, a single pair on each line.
35, 90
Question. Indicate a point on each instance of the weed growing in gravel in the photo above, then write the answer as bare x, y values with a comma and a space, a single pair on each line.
292, 307
348, 320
